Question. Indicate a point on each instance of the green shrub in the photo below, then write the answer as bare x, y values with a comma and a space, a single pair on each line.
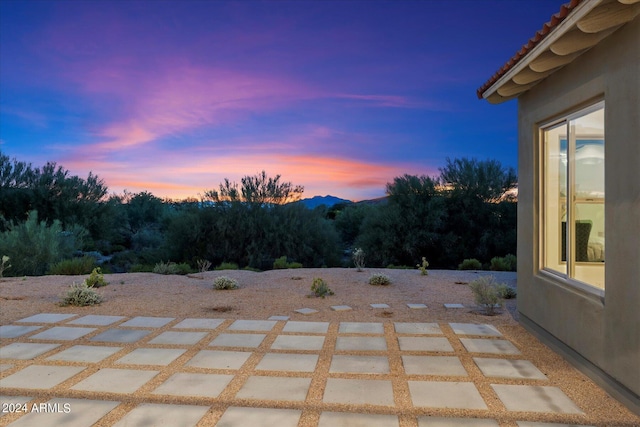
227, 266
183, 268
166, 268
224, 282
73, 266
320, 288
4, 265
487, 293
379, 279
507, 292
141, 268
282, 263
470, 264
506, 263
81, 295
95, 279
423, 267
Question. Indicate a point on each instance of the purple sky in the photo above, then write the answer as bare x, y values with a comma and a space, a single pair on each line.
171, 97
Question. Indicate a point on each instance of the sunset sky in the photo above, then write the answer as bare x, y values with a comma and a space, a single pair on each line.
171, 97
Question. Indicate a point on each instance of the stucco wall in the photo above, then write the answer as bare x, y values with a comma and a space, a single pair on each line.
606, 332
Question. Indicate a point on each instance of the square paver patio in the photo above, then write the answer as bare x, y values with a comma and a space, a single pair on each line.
47, 318
82, 413
238, 340
242, 417
418, 328
535, 399
275, 388
40, 377
507, 368
433, 365
62, 333
14, 331
308, 327
361, 328
359, 364
148, 322
85, 353
151, 356
199, 324
361, 344
216, 359
492, 346
346, 419
96, 320
288, 362
115, 380
178, 338
473, 329
25, 351
358, 392
298, 342
439, 344
188, 384
441, 394
151, 414
121, 335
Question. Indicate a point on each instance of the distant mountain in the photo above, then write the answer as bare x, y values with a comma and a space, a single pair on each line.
328, 201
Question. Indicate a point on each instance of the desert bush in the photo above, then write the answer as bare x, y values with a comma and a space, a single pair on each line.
224, 282
470, 264
507, 292
74, 266
358, 258
379, 279
506, 263
4, 265
81, 295
320, 288
423, 267
486, 293
227, 266
95, 279
203, 265
166, 268
183, 268
282, 263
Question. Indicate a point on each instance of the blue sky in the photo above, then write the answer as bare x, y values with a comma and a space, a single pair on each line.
172, 97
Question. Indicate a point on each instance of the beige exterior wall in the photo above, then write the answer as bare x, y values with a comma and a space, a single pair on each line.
600, 335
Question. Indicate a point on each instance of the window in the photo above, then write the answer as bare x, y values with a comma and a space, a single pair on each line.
572, 183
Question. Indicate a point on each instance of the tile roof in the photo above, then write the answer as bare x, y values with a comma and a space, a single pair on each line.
555, 20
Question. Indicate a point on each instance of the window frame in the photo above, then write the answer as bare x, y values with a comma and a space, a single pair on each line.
566, 278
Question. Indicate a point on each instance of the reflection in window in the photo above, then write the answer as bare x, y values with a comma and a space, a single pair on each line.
573, 240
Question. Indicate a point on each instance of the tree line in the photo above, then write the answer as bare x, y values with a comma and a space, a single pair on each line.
48, 215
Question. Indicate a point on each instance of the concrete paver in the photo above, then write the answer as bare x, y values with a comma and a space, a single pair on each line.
535, 399
178, 338
288, 362
216, 359
252, 325
148, 322
361, 328
96, 320
199, 324
238, 340
242, 417
85, 353
46, 318
418, 328
121, 335
535, 424
456, 422
19, 401
379, 305
25, 351
40, 377
358, 392
306, 327
417, 306
507, 368
275, 388
188, 384
345, 419
359, 364
306, 311
115, 380
62, 333
441, 394
150, 414
151, 356
278, 318
298, 342
473, 329
361, 344
14, 331
341, 308
439, 344
433, 365
493, 346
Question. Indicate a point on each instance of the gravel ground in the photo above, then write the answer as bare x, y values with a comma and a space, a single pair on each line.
280, 292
